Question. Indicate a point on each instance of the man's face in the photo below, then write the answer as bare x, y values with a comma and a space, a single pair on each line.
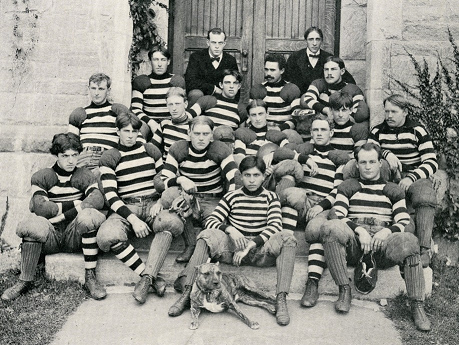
159, 63
252, 179
272, 72
321, 132
201, 136
342, 115
216, 43
176, 106
332, 72
258, 117
128, 135
230, 86
67, 160
369, 165
395, 116
98, 92
314, 42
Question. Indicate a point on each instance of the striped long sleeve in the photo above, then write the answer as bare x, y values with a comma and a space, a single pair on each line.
222, 111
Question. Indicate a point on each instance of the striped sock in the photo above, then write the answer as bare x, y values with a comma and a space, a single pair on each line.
414, 278
158, 252
30, 254
90, 249
289, 218
127, 254
316, 261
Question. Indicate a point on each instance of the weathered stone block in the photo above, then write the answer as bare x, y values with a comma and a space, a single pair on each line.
378, 64
385, 20
353, 32
358, 70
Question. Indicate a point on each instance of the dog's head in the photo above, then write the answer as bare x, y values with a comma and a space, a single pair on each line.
209, 277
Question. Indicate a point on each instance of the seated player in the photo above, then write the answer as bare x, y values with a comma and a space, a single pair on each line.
65, 217
246, 228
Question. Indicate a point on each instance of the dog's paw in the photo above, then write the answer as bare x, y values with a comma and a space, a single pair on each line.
194, 325
254, 325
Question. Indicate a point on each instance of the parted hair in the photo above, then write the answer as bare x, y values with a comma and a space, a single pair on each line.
312, 29
97, 78
176, 91
368, 147
216, 31
340, 100
323, 117
337, 60
250, 162
279, 58
232, 72
399, 101
254, 103
160, 49
65, 141
125, 119
202, 120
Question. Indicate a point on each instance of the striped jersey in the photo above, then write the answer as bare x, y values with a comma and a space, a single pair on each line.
169, 132
96, 124
411, 144
328, 178
381, 200
210, 169
255, 213
342, 138
279, 111
128, 172
221, 110
251, 149
56, 191
149, 96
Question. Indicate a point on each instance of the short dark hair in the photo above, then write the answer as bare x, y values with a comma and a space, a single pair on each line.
312, 29
160, 49
250, 162
232, 72
279, 58
254, 103
65, 141
323, 117
368, 147
337, 60
216, 31
202, 120
340, 100
97, 78
125, 119
399, 101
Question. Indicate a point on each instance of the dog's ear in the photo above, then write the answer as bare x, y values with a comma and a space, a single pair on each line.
217, 263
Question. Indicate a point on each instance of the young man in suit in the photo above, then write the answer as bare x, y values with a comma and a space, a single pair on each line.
205, 67
307, 64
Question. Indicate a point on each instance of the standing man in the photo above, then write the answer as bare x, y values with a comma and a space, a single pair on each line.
205, 67
246, 228
372, 217
306, 65
277, 93
149, 92
65, 217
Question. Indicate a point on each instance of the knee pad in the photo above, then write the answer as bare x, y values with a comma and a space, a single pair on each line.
421, 193
401, 245
334, 230
312, 232
34, 228
168, 221
294, 197
88, 220
109, 234
288, 239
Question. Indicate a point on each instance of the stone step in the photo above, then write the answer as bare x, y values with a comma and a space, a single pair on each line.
112, 272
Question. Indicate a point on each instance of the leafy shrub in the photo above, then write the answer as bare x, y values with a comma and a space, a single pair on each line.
437, 109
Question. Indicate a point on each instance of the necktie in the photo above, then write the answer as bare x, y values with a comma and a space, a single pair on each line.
314, 56
212, 59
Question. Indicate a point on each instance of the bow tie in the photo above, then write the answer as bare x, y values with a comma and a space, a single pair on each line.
314, 56
212, 59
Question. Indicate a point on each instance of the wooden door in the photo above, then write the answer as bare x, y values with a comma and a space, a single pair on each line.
253, 28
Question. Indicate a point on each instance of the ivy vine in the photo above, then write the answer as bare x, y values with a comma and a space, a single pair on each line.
145, 33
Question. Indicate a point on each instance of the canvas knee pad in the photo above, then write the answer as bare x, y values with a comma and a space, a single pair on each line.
109, 234
401, 245
168, 221
88, 220
421, 193
34, 228
334, 230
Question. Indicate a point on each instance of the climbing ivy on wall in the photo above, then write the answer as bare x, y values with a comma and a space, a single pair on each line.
145, 33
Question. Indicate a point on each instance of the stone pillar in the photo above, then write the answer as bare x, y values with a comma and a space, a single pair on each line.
384, 24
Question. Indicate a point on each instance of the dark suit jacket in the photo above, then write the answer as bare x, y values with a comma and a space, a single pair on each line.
201, 74
300, 71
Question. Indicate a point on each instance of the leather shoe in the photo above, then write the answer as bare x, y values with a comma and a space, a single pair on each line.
311, 293
91, 284
16, 290
185, 256
419, 316
179, 284
282, 317
159, 285
343, 304
182, 303
141, 288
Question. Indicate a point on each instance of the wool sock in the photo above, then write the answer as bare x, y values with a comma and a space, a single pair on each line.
90, 249
127, 254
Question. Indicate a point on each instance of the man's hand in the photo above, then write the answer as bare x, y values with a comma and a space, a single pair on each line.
141, 229
313, 211
313, 166
57, 219
239, 240
268, 159
436, 182
394, 162
155, 209
239, 255
405, 183
364, 238
378, 239
187, 185
327, 111
217, 91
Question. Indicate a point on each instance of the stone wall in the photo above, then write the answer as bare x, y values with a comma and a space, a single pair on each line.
49, 50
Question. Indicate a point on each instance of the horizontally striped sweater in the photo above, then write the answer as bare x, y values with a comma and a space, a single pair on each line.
255, 213
252, 148
279, 111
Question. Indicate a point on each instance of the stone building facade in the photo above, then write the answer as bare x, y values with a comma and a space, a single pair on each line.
49, 49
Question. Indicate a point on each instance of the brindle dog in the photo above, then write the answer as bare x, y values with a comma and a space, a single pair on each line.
217, 292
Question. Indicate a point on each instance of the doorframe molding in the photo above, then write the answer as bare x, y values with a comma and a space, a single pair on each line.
337, 28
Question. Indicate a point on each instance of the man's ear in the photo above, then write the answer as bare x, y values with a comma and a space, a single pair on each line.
282, 70
332, 131
343, 70
118, 132
208, 42
221, 85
